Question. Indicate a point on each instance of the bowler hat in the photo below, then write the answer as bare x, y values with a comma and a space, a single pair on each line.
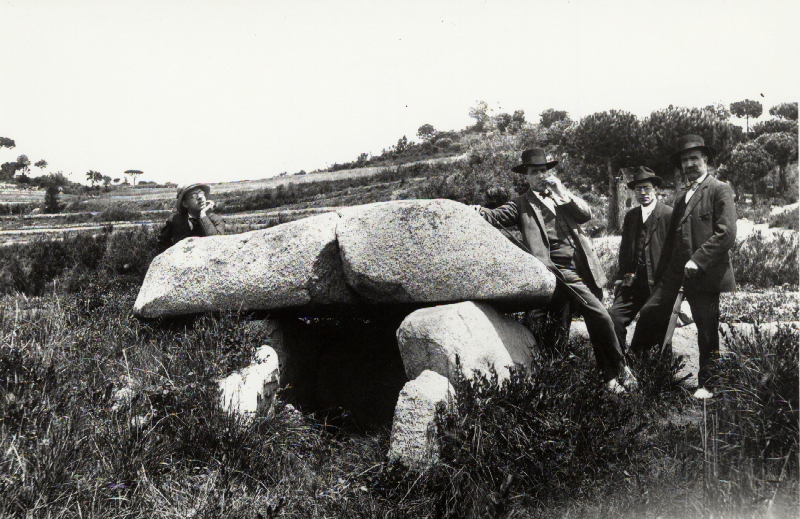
691, 142
535, 157
183, 190
644, 174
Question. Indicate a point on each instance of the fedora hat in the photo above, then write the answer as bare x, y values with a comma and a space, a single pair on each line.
691, 142
535, 157
644, 174
183, 190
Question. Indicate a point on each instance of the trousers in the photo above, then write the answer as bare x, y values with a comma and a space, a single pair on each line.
656, 312
627, 303
605, 345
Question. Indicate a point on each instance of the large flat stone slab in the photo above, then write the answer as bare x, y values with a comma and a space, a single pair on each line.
435, 251
290, 265
478, 335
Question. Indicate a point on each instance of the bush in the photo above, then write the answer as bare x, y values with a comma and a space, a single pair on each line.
32, 267
753, 424
786, 219
764, 262
11, 209
755, 212
119, 213
552, 435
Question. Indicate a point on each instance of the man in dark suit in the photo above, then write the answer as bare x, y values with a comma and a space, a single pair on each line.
644, 231
193, 216
702, 230
549, 218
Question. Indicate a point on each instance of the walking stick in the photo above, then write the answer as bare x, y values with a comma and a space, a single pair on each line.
673, 321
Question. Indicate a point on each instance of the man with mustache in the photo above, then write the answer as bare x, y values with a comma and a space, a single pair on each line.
696, 255
549, 217
644, 231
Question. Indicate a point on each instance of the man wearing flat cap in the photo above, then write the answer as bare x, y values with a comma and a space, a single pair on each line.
549, 217
696, 255
193, 216
644, 231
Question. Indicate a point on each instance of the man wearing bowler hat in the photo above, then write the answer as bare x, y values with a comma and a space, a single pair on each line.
644, 231
701, 232
549, 217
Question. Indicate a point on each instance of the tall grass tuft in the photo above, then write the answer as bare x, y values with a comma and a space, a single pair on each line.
753, 430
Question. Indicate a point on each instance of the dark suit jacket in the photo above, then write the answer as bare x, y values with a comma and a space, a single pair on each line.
708, 229
657, 228
528, 218
178, 228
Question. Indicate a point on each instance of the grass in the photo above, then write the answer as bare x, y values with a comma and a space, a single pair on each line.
70, 446
548, 444
102, 415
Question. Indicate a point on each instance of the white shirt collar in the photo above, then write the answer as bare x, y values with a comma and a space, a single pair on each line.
546, 200
695, 185
647, 210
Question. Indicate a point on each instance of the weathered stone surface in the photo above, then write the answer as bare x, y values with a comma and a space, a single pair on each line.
289, 265
413, 439
481, 337
252, 391
435, 251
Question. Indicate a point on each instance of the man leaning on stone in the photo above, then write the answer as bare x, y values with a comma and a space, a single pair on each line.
644, 231
702, 230
193, 216
549, 217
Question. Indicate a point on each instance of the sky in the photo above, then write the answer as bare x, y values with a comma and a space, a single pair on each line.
215, 91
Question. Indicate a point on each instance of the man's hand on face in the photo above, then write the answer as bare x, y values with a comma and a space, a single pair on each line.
555, 186
691, 269
209, 206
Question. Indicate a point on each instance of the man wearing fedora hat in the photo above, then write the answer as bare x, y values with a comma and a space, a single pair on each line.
549, 217
192, 216
702, 230
644, 231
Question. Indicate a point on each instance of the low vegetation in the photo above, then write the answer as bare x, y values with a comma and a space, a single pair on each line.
103, 415
787, 219
766, 261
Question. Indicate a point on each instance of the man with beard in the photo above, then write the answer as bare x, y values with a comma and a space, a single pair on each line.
644, 232
549, 217
701, 232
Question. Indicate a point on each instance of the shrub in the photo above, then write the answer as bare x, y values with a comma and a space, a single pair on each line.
786, 219
764, 262
755, 212
553, 435
119, 213
753, 424
31, 267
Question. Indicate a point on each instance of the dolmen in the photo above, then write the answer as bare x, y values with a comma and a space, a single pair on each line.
449, 273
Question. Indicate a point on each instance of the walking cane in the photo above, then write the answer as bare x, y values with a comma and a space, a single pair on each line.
673, 321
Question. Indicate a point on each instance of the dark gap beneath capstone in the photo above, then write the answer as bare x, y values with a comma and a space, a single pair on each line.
345, 369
